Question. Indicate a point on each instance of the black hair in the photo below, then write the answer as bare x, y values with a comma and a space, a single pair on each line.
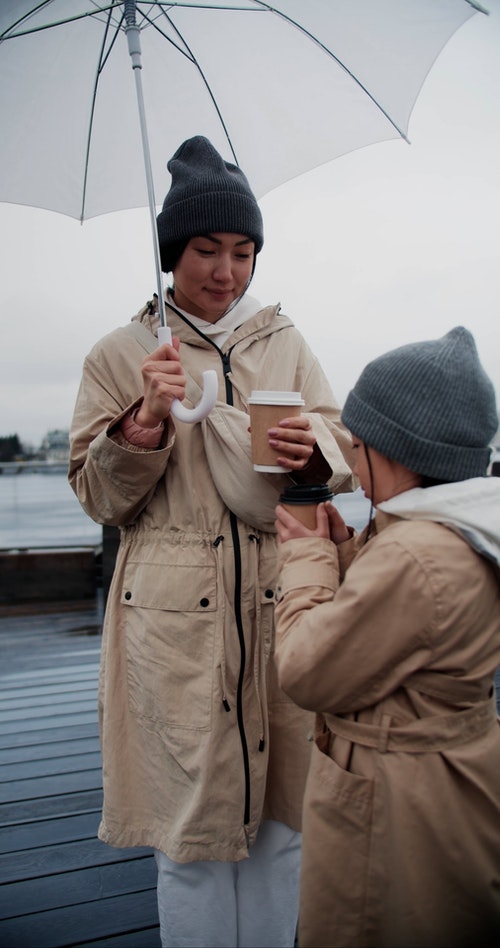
170, 254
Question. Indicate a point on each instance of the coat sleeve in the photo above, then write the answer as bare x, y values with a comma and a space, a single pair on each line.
344, 647
112, 479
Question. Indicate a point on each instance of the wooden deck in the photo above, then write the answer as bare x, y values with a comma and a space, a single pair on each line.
59, 885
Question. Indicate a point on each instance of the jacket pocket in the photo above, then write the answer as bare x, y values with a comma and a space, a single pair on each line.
338, 819
169, 612
341, 789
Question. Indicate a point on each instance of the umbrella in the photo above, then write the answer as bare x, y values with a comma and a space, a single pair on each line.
278, 88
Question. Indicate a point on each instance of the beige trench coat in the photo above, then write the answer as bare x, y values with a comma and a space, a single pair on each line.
401, 841
199, 744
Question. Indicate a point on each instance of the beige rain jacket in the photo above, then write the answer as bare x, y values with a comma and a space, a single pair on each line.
199, 744
401, 842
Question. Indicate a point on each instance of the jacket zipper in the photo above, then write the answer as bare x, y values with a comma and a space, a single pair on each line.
226, 365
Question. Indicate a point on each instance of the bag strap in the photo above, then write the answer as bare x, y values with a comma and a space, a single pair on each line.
144, 336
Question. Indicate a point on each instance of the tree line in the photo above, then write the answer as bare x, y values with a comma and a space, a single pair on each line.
11, 448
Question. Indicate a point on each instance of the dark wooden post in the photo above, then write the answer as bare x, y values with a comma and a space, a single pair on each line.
110, 544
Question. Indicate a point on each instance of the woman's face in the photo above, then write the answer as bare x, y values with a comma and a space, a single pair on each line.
381, 478
212, 272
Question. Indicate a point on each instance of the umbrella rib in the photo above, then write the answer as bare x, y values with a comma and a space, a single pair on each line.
169, 39
195, 62
49, 26
95, 13
102, 60
311, 36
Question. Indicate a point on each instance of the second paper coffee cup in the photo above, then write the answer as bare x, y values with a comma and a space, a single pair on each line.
302, 500
266, 410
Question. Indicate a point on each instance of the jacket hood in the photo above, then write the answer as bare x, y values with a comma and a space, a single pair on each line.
261, 323
471, 508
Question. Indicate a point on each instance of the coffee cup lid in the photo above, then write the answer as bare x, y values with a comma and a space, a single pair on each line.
259, 397
306, 494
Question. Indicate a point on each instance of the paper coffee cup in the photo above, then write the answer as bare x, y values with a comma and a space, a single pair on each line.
266, 410
301, 500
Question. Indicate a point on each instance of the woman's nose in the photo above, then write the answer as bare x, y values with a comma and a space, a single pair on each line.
222, 269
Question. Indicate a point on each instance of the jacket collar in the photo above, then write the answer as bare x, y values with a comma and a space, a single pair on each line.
263, 323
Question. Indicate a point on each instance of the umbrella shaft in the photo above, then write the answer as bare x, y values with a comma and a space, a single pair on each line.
134, 47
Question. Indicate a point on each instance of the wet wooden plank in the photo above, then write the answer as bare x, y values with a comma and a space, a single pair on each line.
31, 717
74, 761
147, 938
56, 858
56, 671
51, 749
13, 738
53, 785
12, 727
65, 804
25, 703
82, 885
76, 923
25, 836
31, 699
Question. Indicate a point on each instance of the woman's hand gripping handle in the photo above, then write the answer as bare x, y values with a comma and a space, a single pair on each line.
209, 395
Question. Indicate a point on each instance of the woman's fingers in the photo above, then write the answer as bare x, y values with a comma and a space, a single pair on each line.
294, 441
163, 380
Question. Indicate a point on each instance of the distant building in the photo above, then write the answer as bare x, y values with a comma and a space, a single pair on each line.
55, 445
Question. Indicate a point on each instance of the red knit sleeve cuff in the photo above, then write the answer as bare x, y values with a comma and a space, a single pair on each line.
140, 437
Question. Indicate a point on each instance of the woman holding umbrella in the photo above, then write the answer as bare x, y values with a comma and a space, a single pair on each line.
204, 756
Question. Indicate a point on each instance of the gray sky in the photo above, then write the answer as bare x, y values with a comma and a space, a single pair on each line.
387, 245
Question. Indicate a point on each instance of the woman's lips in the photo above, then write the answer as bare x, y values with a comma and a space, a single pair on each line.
218, 292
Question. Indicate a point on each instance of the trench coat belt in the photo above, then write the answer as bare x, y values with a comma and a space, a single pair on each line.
435, 733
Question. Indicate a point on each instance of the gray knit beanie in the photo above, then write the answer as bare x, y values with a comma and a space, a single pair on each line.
207, 195
428, 405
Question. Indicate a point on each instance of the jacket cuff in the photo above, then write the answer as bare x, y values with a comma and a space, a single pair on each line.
307, 561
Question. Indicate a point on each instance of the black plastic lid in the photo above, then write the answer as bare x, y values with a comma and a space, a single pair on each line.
306, 494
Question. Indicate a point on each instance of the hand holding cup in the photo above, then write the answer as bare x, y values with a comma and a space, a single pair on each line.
280, 434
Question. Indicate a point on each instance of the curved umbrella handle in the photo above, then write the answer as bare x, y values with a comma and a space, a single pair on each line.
209, 395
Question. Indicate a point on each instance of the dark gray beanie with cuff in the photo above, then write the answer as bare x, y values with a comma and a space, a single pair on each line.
207, 195
428, 405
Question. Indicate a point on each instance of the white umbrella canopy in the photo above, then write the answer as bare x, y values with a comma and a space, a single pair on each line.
279, 88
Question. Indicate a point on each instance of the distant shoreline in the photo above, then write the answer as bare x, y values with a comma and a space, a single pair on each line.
33, 467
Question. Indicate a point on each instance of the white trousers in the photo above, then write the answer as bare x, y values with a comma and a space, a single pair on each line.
253, 903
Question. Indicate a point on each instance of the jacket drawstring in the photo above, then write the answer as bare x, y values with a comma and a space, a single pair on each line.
258, 651
216, 544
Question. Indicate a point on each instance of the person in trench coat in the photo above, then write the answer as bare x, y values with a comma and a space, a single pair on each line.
393, 639
204, 757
